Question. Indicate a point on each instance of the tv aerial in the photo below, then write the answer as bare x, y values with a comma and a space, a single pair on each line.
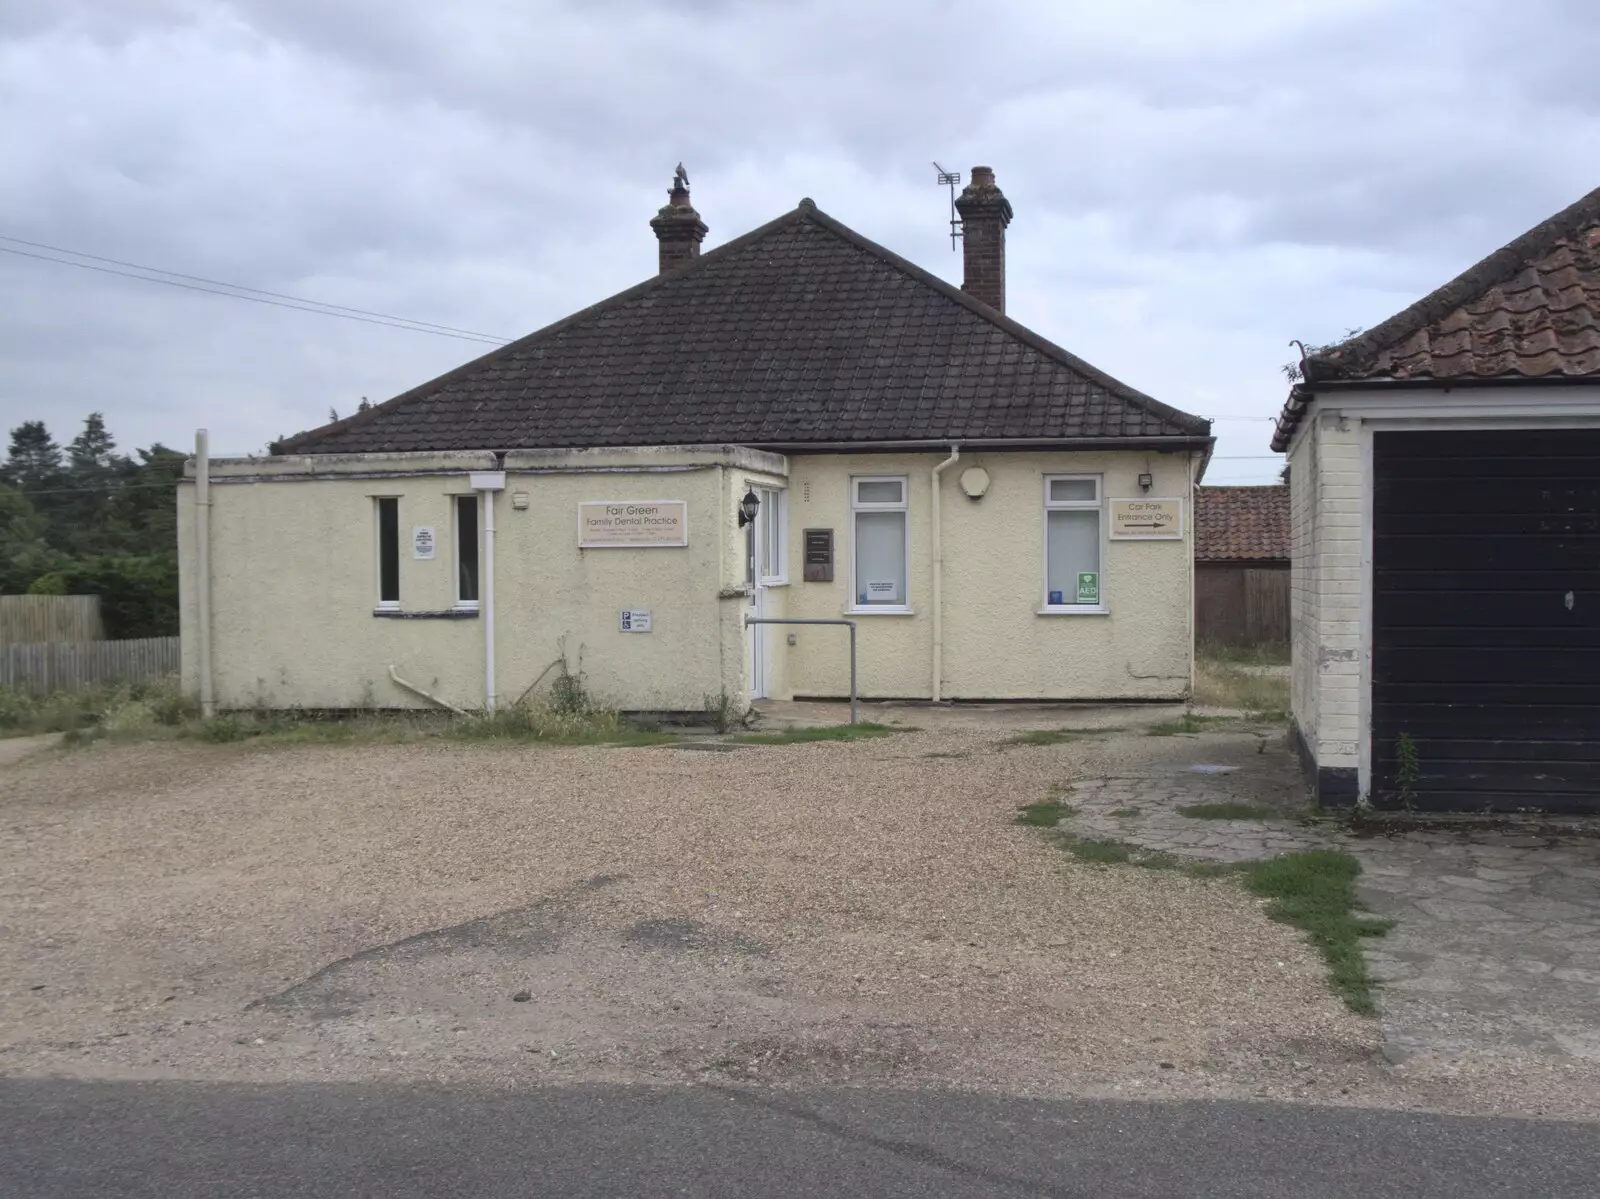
953, 179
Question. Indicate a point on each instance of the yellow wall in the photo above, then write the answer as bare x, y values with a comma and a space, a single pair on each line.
996, 646
295, 581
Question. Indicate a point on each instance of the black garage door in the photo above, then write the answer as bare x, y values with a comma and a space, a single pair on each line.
1486, 620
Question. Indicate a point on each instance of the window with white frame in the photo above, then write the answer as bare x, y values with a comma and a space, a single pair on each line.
1072, 539
387, 509
878, 578
466, 539
771, 515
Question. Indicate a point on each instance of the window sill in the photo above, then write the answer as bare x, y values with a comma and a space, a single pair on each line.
1075, 610
884, 611
774, 582
447, 614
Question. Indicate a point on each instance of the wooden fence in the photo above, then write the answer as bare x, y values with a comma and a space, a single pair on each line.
44, 668
33, 619
1241, 605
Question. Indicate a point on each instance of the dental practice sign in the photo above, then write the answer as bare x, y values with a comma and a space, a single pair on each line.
620, 524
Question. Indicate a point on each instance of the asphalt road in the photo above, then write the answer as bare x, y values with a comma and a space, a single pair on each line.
221, 1141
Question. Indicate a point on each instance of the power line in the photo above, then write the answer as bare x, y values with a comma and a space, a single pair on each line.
277, 295
327, 310
107, 488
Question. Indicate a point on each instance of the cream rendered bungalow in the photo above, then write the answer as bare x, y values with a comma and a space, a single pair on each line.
798, 424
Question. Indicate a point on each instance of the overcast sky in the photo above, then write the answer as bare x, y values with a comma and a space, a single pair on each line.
1195, 181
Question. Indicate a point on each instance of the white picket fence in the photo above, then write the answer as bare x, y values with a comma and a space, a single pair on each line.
48, 667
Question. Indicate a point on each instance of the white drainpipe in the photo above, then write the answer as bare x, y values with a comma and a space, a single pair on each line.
202, 568
489, 483
938, 577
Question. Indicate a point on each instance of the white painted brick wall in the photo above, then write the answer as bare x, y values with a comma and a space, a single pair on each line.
1341, 495
1303, 594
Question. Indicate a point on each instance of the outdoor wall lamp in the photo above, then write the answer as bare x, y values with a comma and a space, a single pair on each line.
1146, 481
748, 507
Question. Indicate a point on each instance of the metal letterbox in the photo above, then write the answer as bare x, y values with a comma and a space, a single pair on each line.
819, 555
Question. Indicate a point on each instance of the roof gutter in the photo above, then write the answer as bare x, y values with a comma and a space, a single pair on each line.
1164, 444
1303, 393
1422, 382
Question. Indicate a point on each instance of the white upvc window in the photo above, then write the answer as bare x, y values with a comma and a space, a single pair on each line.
1073, 539
464, 509
773, 519
879, 544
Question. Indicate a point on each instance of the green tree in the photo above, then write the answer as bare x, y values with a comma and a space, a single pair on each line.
25, 551
95, 473
93, 522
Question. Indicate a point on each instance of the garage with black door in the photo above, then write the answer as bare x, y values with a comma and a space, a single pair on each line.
1486, 620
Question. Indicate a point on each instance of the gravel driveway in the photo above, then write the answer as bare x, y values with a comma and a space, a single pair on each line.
829, 912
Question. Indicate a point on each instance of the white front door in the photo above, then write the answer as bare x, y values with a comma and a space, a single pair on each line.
755, 637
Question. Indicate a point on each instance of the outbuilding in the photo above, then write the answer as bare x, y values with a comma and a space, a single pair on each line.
1445, 480
1241, 567
798, 424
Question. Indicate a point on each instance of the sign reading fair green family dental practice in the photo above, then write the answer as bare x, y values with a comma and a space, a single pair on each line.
620, 524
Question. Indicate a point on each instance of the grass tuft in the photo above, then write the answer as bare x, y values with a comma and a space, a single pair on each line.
1125, 813
1226, 811
1104, 853
1315, 891
827, 732
1228, 682
1046, 814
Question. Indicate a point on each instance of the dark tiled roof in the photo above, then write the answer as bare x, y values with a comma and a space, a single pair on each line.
801, 331
1531, 310
1241, 524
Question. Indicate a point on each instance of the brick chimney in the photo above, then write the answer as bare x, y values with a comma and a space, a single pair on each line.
678, 226
985, 213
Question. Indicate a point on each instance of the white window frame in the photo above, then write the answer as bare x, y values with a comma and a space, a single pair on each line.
858, 505
1096, 505
464, 605
379, 604
774, 511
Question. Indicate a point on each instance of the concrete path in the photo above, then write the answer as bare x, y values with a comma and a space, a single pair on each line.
1497, 946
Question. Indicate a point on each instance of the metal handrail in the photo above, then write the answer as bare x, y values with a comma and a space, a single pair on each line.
750, 620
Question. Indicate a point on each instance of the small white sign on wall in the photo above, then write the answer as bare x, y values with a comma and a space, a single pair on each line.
634, 621
422, 541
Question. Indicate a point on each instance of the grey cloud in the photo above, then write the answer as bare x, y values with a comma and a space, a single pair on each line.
1194, 183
